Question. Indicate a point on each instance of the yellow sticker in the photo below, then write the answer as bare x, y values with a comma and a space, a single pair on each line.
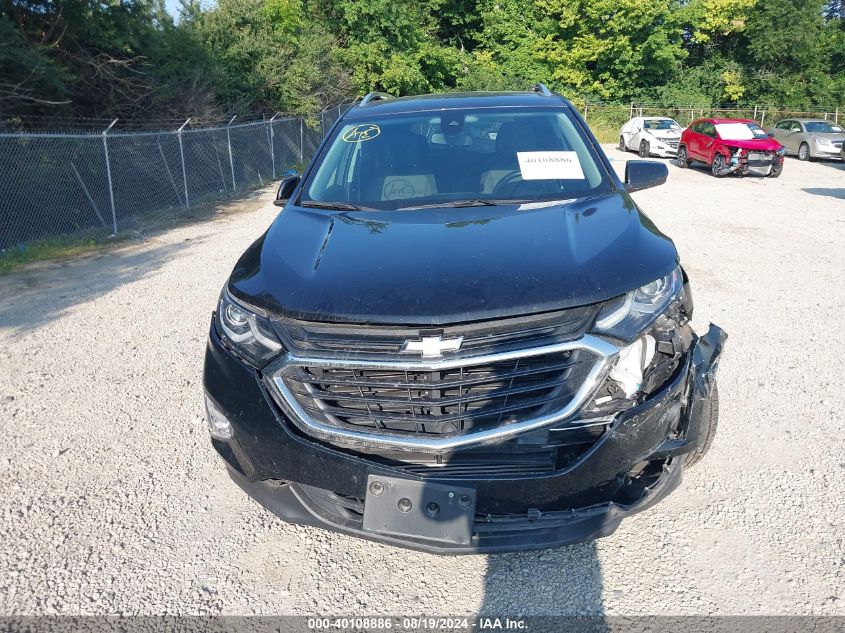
363, 132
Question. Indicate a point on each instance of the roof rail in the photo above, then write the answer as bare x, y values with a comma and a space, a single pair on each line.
542, 89
375, 96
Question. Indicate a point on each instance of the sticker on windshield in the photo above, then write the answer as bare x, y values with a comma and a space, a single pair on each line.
550, 166
362, 132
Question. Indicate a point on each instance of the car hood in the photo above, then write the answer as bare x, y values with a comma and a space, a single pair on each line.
830, 136
446, 265
669, 135
759, 144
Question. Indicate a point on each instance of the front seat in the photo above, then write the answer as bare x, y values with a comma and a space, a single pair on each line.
512, 137
403, 171
517, 136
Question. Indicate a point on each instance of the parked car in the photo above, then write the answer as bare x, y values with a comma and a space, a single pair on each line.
809, 138
651, 136
461, 334
730, 146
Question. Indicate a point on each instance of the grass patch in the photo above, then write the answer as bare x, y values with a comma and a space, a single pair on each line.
53, 248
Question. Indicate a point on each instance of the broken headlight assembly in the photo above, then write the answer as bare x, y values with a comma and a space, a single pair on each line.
628, 315
246, 332
652, 324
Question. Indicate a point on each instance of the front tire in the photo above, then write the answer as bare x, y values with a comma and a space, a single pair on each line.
804, 152
776, 171
681, 159
645, 149
709, 424
718, 165
622, 146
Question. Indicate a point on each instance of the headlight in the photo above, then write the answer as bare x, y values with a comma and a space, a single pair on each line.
630, 314
249, 333
823, 142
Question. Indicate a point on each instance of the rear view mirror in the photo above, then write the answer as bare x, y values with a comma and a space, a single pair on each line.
642, 174
286, 189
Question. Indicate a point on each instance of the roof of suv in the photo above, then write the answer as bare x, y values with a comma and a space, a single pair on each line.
455, 101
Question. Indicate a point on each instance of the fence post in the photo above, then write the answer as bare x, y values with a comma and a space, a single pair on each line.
755, 113
302, 137
586, 105
273, 151
632, 111
182, 155
108, 174
836, 116
229, 143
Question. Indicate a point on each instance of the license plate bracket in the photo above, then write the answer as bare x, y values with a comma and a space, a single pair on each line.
420, 509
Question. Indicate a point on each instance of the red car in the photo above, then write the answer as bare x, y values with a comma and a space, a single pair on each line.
730, 146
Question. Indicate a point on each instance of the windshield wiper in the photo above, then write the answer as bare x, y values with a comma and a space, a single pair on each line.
475, 202
339, 206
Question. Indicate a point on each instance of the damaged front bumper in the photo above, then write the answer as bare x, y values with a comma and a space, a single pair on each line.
636, 462
743, 162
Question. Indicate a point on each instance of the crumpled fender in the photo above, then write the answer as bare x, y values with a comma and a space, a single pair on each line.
705, 362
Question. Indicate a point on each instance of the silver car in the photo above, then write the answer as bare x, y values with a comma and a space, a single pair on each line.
810, 138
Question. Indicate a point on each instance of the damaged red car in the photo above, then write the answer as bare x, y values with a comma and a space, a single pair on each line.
731, 146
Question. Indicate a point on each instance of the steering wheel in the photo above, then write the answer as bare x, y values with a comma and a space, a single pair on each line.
513, 185
509, 183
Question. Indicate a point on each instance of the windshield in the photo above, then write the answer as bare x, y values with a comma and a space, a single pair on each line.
740, 131
661, 124
823, 127
484, 156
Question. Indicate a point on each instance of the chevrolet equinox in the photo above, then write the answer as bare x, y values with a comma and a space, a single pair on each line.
461, 334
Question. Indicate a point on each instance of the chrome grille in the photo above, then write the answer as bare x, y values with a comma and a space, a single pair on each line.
447, 401
437, 405
308, 338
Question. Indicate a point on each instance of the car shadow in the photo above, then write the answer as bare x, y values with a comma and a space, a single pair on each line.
561, 581
836, 164
564, 581
826, 191
38, 294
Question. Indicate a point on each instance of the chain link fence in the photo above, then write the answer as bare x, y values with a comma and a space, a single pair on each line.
58, 184
99, 184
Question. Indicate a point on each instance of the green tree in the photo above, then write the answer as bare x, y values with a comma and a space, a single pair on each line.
610, 49
791, 63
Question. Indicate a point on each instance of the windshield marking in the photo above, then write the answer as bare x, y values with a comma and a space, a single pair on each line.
550, 166
362, 132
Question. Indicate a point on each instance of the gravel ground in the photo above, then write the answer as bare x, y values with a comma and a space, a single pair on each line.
113, 501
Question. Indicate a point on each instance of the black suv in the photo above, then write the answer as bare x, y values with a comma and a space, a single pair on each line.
461, 334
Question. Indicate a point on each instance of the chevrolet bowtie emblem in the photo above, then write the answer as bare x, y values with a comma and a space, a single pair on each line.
432, 346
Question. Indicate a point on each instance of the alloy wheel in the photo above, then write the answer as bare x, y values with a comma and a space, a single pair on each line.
804, 152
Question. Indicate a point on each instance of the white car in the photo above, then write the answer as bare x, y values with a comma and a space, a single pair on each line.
651, 136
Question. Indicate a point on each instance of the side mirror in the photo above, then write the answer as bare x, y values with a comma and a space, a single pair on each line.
642, 174
286, 189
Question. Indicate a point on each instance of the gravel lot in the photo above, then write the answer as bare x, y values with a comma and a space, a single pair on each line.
113, 501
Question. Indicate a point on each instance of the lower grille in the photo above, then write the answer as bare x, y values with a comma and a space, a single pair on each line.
760, 159
477, 464
455, 400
